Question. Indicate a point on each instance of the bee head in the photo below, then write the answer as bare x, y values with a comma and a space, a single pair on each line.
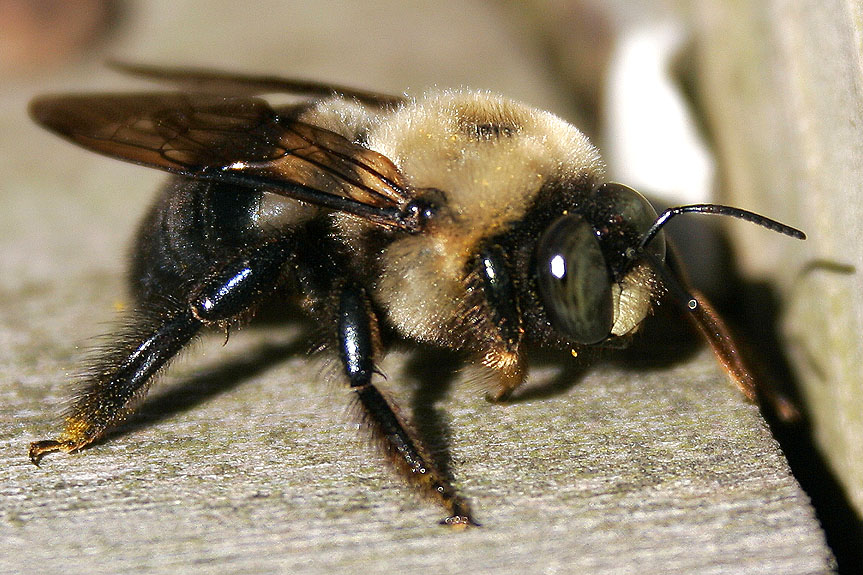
586, 261
582, 261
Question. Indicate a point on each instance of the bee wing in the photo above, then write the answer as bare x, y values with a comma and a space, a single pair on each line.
227, 83
242, 141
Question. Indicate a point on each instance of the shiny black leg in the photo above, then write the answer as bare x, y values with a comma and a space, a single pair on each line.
156, 334
357, 340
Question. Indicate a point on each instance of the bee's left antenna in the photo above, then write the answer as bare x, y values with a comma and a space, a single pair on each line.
708, 322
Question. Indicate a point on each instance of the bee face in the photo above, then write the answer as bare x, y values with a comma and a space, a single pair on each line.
459, 218
590, 289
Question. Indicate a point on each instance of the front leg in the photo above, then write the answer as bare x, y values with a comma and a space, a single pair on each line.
357, 340
497, 316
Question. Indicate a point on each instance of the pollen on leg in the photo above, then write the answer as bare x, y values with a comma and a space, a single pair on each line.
509, 372
78, 433
39, 448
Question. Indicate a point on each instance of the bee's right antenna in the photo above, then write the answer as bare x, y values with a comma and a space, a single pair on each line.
717, 209
721, 210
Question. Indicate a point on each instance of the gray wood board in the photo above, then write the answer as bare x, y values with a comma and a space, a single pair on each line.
257, 467
244, 461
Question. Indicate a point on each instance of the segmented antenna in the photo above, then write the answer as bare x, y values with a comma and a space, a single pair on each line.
721, 210
667, 278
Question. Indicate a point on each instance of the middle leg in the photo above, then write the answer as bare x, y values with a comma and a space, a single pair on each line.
357, 342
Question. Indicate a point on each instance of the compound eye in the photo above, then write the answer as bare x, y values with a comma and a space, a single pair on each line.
574, 280
635, 210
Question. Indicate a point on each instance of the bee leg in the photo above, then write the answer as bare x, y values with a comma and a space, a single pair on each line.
504, 332
157, 333
357, 339
758, 390
509, 374
118, 378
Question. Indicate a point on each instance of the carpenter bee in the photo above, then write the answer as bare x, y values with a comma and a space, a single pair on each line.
459, 218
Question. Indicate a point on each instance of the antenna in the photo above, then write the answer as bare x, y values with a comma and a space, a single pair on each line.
718, 209
670, 282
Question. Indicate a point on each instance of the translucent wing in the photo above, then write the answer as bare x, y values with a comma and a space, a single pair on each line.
238, 140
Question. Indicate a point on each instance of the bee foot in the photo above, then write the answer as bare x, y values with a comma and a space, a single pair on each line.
499, 396
39, 448
459, 521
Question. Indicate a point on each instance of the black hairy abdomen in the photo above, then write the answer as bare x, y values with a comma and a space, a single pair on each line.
191, 227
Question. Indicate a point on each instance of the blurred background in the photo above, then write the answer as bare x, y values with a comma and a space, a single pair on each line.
757, 105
